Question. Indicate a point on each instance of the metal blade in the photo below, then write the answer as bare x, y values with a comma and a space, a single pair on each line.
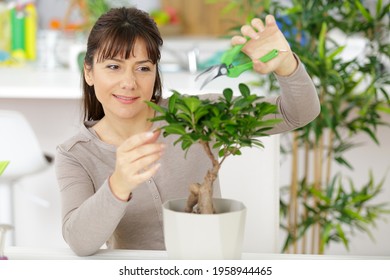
206, 71
214, 72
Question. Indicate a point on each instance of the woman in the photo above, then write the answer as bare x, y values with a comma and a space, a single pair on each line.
117, 171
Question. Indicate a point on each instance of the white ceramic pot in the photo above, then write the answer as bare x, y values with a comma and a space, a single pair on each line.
205, 237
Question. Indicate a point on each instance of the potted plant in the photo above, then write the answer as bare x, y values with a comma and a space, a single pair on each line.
222, 127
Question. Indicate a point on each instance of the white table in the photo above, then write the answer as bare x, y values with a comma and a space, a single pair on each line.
24, 253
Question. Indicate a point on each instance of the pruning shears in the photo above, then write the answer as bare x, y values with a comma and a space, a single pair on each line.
228, 68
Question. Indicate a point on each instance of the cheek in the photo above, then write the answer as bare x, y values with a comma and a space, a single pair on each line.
103, 87
148, 86
104, 80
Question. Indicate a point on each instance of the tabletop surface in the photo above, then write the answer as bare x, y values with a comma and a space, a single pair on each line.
28, 253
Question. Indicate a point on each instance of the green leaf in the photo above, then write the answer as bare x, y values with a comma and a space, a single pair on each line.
201, 112
320, 195
325, 236
244, 89
378, 7
354, 215
228, 94
184, 117
156, 107
175, 129
342, 161
322, 41
336, 52
371, 134
192, 103
158, 118
172, 102
363, 11
342, 236
268, 123
184, 109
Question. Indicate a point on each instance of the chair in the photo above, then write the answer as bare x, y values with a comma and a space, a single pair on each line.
20, 147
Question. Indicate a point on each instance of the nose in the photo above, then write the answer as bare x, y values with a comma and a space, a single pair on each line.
128, 81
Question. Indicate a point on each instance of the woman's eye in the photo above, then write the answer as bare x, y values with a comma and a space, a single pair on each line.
112, 66
144, 68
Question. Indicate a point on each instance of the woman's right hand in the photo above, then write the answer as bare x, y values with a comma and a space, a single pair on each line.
135, 163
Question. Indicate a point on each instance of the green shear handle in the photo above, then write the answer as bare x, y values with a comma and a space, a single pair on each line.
236, 70
228, 68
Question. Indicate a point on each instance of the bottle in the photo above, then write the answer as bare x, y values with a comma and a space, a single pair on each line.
30, 31
17, 33
5, 31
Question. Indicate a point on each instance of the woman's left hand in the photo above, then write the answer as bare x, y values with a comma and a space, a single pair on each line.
263, 39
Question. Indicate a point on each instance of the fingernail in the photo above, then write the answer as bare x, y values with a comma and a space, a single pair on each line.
242, 40
149, 135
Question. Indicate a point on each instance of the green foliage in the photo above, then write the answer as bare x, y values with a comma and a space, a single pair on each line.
354, 96
340, 209
353, 92
95, 9
228, 123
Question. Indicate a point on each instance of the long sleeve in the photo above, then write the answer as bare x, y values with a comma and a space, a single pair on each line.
298, 102
89, 216
93, 216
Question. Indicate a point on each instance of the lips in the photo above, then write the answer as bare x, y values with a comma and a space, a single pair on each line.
126, 99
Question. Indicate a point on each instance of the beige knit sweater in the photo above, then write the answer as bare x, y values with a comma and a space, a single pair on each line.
93, 216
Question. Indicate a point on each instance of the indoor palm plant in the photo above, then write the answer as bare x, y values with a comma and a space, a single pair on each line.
222, 127
321, 206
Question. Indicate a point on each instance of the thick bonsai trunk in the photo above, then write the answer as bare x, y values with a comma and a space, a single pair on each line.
200, 199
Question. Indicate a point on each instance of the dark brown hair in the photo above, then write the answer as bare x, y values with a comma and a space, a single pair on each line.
115, 33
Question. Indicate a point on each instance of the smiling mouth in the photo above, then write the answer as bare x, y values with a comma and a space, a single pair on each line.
126, 99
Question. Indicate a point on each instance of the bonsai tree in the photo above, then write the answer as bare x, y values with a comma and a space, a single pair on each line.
221, 126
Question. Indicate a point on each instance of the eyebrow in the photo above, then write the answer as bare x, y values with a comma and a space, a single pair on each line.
137, 62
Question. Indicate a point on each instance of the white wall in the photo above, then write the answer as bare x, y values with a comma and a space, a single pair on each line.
253, 178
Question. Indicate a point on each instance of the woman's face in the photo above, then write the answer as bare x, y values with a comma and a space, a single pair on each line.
122, 85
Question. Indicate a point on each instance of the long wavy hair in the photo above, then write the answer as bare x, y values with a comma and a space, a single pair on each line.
115, 33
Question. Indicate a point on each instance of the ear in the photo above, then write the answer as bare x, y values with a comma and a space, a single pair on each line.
88, 75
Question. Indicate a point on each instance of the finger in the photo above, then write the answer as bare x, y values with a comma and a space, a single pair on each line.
136, 140
248, 31
270, 20
147, 174
143, 151
145, 163
238, 40
258, 24
156, 134
260, 67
